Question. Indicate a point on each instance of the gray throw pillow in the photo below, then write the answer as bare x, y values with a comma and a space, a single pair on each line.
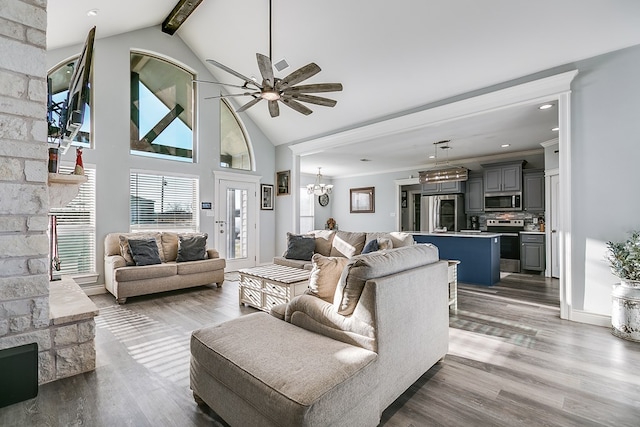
144, 251
300, 246
192, 248
372, 246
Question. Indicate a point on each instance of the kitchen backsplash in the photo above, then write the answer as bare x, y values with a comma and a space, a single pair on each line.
528, 218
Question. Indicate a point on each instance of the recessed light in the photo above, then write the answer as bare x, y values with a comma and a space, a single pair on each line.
93, 12
545, 106
365, 160
432, 157
505, 145
555, 129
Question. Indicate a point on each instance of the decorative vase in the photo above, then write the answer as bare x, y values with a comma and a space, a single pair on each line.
625, 310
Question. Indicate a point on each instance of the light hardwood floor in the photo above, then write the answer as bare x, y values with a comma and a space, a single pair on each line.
511, 362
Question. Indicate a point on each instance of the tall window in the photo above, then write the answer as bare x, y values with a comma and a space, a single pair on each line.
58, 88
234, 148
77, 227
307, 221
161, 109
163, 202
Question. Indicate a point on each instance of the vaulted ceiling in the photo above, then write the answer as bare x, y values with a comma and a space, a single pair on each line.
391, 57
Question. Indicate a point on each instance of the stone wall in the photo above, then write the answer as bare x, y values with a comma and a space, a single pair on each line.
24, 245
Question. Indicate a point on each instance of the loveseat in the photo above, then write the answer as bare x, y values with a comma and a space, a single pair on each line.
184, 262
337, 361
337, 243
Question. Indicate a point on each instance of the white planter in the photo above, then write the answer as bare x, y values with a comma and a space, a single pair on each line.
625, 310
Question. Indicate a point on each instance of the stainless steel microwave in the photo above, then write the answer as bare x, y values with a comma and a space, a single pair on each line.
502, 202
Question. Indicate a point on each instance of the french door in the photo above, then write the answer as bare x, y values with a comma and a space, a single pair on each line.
235, 225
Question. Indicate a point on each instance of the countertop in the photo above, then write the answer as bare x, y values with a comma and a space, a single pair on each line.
482, 234
532, 232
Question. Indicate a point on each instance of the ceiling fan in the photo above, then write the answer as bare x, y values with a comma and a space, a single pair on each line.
273, 89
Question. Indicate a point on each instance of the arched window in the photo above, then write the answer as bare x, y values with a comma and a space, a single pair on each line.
161, 108
234, 147
58, 80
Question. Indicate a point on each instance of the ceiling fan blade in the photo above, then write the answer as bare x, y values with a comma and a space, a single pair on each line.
299, 75
318, 100
274, 109
249, 104
266, 69
317, 87
246, 79
220, 84
232, 95
296, 106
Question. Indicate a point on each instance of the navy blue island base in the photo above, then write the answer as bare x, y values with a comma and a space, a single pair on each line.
479, 254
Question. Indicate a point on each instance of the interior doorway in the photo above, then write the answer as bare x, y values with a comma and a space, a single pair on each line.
235, 214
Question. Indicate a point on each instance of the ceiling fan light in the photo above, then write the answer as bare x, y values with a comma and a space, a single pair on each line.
270, 95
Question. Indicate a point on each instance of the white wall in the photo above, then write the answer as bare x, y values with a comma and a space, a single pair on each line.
111, 112
605, 163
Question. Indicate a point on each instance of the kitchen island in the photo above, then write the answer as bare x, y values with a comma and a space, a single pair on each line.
478, 253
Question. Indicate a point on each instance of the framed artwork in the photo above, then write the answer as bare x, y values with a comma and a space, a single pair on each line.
363, 200
282, 181
266, 191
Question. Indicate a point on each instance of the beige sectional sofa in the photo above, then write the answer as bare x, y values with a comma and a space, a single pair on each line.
339, 362
124, 280
346, 244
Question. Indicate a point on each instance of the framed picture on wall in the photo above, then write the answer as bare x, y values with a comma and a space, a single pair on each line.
363, 200
282, 181
266, 191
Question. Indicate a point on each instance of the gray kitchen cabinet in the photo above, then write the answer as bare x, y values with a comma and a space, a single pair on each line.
474, 196
532, 252
443, 187
533, 190
501, 177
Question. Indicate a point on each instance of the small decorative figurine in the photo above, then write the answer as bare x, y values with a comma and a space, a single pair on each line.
331, 224
79, 170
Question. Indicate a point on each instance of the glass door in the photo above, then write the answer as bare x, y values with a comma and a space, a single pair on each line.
235, 223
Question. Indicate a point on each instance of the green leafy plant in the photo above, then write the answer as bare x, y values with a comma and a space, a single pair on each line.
624, 257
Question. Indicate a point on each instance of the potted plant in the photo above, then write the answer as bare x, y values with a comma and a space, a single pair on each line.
624, 260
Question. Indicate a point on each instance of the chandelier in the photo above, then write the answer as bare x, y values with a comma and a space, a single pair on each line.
319, 188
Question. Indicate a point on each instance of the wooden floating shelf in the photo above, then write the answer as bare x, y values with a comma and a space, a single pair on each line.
59, 178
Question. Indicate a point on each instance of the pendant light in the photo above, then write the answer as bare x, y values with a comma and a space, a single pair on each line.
319, 188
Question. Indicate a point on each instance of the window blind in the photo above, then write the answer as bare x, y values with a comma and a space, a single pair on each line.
163, 202
76, 226
307, 219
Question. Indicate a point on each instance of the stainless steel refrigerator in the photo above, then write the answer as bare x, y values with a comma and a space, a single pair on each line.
442, 213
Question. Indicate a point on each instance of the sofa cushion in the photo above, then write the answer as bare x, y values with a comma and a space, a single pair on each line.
372, 246
325, 276
289, 375
144, 251
128, 274
201, 266
192, 248
347, 244
379, 264
300, 246
324, 240
124, 244
295, 263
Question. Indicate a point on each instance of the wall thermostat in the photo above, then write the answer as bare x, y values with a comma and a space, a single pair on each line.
206, 205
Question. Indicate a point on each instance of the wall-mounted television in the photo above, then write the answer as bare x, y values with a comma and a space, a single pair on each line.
71, 111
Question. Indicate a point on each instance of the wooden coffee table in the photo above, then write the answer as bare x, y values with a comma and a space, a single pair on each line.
266, 286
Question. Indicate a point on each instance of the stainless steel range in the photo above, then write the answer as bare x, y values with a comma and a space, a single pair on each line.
509, 230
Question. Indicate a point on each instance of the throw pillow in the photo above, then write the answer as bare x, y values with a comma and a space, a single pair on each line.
384, 244
124, 244
192, 248
348, 243
300, 246
124, 250
144, 251
372, 246
325, 276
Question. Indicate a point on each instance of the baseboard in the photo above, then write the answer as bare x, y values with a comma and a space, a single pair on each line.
590, 318
94, 289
